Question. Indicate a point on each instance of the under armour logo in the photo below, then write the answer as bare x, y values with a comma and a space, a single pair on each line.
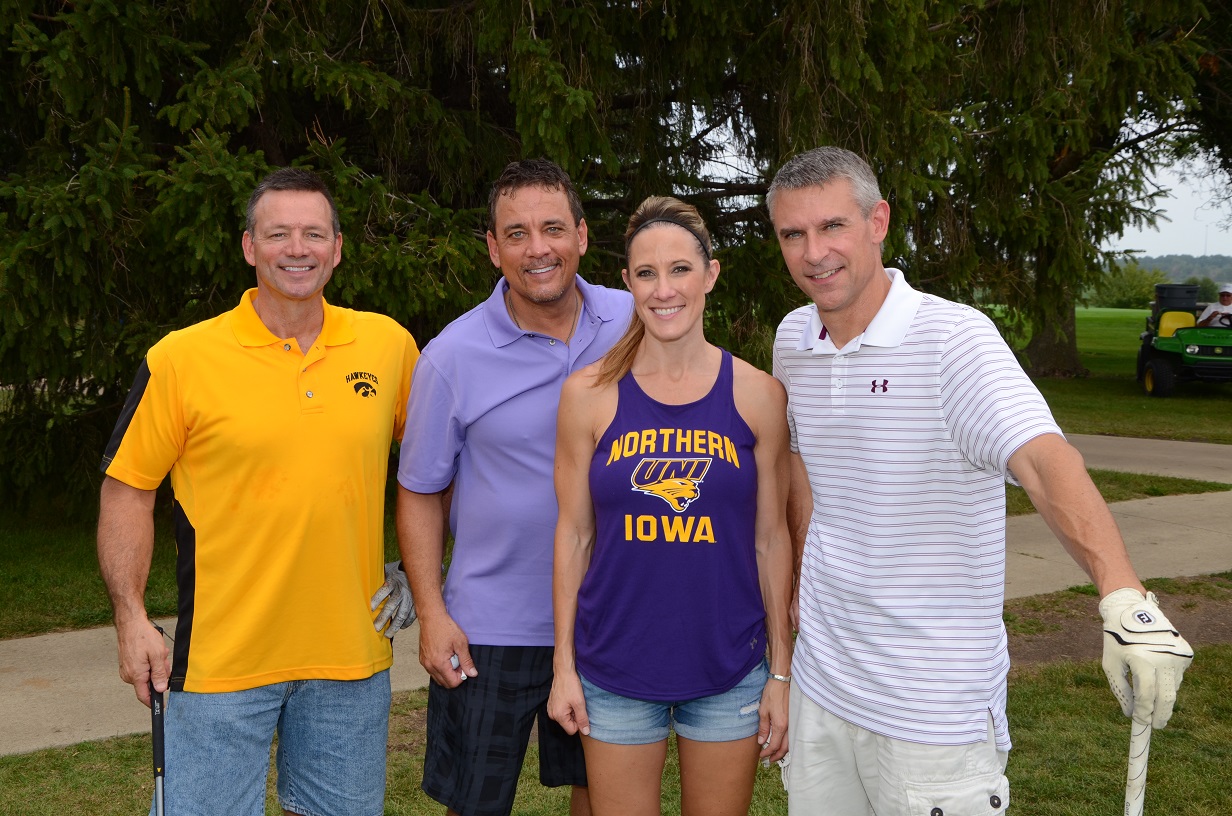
1144, 617
883, 386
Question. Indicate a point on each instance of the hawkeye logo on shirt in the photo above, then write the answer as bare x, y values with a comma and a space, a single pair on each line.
363, 382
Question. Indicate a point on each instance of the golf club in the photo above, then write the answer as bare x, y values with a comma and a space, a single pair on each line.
156, 729
1135, 782
156, 737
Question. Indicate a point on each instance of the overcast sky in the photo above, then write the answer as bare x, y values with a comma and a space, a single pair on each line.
1197, 226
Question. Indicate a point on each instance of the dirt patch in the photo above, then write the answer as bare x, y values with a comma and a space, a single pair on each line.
1066, 626
407, 718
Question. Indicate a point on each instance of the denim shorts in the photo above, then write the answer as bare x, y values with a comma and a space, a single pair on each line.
731, 715
331, 748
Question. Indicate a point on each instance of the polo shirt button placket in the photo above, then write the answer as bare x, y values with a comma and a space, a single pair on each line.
838, 373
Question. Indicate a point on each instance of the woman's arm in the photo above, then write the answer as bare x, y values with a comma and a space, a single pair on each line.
762, 402
580, 407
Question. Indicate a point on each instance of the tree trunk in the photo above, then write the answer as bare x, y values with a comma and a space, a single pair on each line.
1053, 348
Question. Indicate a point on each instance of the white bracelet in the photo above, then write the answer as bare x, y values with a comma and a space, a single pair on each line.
782, 678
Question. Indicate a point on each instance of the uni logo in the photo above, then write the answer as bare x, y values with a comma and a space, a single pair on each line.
364, 389
673, 480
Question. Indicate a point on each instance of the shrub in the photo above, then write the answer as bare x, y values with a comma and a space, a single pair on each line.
1127, 286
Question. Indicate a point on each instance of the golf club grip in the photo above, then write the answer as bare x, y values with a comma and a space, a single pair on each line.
1135, 780
156, 730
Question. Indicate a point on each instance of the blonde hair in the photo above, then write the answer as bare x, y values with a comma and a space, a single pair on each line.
654, 210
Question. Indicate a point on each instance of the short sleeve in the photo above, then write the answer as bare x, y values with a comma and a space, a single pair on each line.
991, 407
410, 356
780, 374
150, 435
434, 432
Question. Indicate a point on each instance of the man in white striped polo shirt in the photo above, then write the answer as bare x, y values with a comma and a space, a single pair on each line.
907, 415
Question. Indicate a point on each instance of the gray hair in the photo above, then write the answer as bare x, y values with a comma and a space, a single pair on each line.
820, 166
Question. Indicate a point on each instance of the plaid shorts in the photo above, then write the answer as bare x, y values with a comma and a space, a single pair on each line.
478, 732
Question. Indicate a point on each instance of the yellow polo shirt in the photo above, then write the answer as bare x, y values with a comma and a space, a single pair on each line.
278, 463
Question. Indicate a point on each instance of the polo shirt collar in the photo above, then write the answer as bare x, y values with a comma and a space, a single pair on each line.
887, 328
337, 330
504, 331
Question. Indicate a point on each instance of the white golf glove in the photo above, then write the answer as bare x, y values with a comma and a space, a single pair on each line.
399, 609
1139, 639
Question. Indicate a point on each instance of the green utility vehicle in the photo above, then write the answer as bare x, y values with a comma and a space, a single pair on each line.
1175, 350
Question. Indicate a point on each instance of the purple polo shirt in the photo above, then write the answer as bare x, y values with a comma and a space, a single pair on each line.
482, 414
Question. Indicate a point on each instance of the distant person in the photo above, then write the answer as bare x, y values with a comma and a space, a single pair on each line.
909, 413
1219, 315
275, 421
482, 418
673, 560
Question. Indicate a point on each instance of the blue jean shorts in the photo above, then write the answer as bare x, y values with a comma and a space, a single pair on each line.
332, 736
731, 715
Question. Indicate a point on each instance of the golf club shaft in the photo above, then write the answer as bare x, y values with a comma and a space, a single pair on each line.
1135, 781
156, 732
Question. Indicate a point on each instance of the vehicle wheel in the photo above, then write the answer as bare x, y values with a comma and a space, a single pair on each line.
1140, 366
1159, 377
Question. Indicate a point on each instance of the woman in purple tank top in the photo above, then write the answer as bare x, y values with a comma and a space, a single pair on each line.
672, 575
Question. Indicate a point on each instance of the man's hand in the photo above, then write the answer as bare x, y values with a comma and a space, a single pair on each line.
144, 658
399, 609
445, 652
1139, 639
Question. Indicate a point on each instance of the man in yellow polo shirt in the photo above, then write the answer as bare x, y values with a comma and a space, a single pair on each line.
275, 421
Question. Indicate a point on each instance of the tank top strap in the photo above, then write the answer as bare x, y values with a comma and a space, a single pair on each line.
725, 385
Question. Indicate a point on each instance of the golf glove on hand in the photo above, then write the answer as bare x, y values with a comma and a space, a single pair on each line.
1139, 639
399, 609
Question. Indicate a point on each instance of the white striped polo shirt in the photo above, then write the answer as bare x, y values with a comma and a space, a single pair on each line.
906, 434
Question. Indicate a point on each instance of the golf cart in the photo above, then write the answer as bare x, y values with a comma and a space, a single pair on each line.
1175, 350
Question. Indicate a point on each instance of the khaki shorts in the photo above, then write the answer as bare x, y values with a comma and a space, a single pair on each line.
841, 769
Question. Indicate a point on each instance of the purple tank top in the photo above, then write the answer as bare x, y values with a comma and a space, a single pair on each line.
670, 608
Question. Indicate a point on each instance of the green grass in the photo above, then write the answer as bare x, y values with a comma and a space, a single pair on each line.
1070, 743
49, 576
1108, 340
1116, 486
1110, 401
1055, 611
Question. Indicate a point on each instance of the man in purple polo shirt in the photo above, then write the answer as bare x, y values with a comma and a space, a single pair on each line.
482, 418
